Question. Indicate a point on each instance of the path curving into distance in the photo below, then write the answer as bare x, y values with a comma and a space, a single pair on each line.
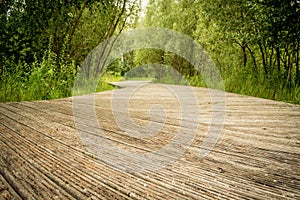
257, 154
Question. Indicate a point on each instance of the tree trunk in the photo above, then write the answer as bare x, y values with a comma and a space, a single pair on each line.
76, 22
243, 47
278, 58
271, 59
244, 55
290, 63
263, 58
100, 68
253, 58
297, 65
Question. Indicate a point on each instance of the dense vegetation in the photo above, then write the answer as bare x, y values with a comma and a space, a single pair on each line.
255, 44
43, 43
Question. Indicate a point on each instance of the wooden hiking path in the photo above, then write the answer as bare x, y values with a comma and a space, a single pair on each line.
257, 155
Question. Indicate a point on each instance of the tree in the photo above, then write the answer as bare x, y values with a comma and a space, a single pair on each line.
28, 25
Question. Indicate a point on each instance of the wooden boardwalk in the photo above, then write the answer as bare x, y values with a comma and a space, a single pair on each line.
257, 156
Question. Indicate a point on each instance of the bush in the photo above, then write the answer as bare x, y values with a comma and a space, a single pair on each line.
48, 78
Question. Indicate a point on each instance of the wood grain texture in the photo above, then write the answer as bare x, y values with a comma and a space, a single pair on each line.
257, 155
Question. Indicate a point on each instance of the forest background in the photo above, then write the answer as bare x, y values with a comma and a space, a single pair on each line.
254, 44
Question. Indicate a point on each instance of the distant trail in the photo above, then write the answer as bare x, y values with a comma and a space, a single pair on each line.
256, 156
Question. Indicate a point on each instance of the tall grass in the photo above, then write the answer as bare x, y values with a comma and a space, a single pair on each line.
87, 85
264, 87
53, 76
49, 78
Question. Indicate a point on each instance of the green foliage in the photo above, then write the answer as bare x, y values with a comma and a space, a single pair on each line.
95, 84
275, 89
45, 79
255, 44
30, 68
157, 73
105, 80
27, 25
197, 81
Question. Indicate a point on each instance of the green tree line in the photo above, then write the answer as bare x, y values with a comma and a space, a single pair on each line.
255, 44
43, 43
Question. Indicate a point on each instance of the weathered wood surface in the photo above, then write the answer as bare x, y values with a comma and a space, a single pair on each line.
256, 157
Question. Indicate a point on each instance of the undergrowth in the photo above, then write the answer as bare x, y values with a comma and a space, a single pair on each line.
49, 78
52, 77
264, 87
267, 88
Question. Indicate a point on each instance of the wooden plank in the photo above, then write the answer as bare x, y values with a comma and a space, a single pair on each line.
256, 156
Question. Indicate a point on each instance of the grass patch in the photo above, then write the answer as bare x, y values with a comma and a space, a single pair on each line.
275, 89
49, 78
104, 83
